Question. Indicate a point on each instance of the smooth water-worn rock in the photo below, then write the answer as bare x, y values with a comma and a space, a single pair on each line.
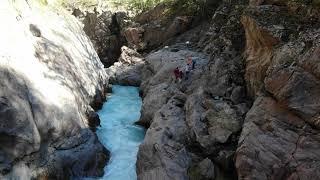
50, 74
128, 69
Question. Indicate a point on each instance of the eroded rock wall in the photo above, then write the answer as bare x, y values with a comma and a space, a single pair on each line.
51, 80
250, 109
104, 28
279, 137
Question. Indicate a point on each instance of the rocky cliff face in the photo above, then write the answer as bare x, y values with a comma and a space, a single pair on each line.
105, 32
152, 28
51, 79
279, 137
250, 108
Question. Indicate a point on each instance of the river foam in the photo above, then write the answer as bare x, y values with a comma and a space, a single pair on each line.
119, 134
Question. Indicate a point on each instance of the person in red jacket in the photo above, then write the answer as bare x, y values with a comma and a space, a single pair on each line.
178, 74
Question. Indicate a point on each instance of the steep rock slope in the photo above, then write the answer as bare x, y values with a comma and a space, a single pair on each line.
250, 106
194, 125
50, 75
280, 137
152, 28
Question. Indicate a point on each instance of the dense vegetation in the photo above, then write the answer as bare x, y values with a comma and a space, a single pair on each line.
187, 7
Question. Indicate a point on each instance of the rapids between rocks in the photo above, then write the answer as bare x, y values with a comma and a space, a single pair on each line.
118, 132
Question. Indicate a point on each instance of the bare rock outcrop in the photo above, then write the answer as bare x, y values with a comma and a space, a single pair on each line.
128, 69
276, 144
104, 28
155, 27
264, 54
279, 138
203, 136
50, 75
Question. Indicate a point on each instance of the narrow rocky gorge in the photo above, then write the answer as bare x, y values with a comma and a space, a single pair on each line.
249, 110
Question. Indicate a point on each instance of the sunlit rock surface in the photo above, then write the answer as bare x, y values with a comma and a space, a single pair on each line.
128, 69
50, 75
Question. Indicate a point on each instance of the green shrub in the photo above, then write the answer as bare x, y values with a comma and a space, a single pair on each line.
43, 2
138, 6
186, 6
76, 3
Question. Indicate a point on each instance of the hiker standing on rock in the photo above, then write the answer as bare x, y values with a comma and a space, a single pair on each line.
187, 70
188, 67
191, 62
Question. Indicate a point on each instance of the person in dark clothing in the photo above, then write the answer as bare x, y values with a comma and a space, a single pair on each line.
176, 72
180, 75
187, 70
193, 64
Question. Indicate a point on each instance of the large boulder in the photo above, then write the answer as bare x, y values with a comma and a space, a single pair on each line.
277, 144
163, 154
50, 76
128, 69
203, 171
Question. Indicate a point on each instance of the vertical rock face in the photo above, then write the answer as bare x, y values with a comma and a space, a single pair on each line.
280, 134
259, 46
50, 74
105, 32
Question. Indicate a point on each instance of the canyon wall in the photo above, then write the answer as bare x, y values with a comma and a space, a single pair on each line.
249, 110
51, 82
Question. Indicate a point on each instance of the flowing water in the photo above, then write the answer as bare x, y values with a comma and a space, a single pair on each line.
119, 134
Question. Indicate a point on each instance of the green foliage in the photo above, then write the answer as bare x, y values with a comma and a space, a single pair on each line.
138, 6
181, 7
184, 7
76, 3
201, 8
43, 2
